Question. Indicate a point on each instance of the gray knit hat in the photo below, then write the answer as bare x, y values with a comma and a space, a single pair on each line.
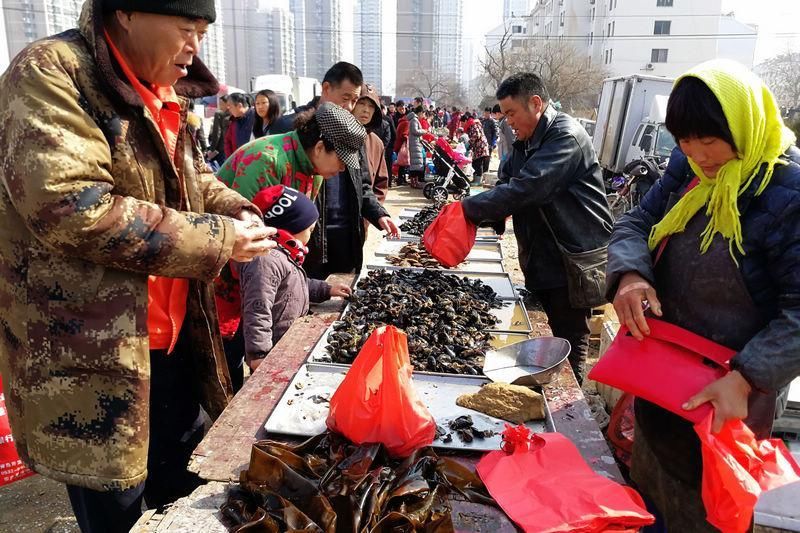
193, 9
343, 131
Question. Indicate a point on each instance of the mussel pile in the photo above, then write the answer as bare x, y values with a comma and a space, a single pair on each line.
414, 254
421, 221
444, 316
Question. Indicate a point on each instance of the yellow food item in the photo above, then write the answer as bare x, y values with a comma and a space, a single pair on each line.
513, 403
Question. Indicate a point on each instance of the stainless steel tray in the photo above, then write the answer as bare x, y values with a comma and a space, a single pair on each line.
481, 251
483, 234
500, 282
304, 407
379, 261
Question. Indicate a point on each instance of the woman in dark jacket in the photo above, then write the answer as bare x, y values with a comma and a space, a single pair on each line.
267, 110
714, 248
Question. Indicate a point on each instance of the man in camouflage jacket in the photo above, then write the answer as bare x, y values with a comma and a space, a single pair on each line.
91, 203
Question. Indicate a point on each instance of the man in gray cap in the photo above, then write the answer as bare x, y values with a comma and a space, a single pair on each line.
111, 228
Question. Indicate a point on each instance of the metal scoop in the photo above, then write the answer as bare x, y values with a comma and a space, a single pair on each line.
529, 362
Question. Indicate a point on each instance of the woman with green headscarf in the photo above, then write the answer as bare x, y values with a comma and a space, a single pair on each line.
714, 248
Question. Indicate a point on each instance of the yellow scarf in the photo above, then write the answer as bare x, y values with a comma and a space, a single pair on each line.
760, 136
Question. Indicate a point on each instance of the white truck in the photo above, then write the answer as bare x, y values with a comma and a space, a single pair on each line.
630, 121
290, 90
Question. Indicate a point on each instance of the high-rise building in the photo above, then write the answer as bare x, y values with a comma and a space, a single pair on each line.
328, 30
298, 9
259, 39
212, 50
666, 38
375, 24
516, 8
275, 48
415, 38
29, 20
448, 47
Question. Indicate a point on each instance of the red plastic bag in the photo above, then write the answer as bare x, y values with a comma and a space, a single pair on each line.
376, 402
736, 468
450, 237
11, 467
543, 484
620, 429
666, 368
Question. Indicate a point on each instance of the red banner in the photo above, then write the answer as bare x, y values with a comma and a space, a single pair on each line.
11, 467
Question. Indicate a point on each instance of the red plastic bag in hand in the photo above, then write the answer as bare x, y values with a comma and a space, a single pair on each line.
11, 467
376, 402
450, 237
543, 484
736, 468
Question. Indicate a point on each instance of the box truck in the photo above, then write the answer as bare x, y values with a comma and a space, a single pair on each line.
630, 121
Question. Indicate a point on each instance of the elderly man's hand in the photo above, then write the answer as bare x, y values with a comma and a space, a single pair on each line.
252, 240
246, 215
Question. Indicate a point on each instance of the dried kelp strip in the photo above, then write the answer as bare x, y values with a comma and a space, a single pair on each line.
328, 484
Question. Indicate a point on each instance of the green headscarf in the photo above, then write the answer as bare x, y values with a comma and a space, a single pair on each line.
760, 136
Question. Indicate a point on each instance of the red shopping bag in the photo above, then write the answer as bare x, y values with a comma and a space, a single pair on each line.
450, 237
403, 156
376, 402
543, 484
666, 368
11, 467
736, 468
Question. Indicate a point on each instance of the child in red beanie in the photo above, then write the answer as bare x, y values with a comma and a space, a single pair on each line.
275, 289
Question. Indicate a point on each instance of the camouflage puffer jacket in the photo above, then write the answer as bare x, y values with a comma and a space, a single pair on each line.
90, 204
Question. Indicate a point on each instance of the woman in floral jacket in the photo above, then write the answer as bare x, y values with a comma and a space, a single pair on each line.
322, 142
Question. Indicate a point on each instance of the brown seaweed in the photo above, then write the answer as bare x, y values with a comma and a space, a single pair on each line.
328, 484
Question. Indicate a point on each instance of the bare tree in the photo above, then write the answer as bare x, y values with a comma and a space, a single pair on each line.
782, 74
445, 90
567, 72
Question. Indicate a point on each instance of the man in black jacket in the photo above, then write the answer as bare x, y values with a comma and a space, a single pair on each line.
553, 173
338, 240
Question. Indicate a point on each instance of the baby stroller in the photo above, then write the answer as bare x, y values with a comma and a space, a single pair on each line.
449, 178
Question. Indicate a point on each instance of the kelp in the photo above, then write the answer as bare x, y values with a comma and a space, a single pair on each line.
328, 484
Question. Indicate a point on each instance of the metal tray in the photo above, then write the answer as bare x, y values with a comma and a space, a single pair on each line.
513, 318
379, 261
481, 251
483, 234
304, 407
500, 282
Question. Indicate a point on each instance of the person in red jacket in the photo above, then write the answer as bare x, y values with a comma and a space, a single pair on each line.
455, 122
402, 138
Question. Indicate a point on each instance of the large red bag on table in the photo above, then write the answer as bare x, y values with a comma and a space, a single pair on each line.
666, 368
11, 467
544, 485
450, 237
376, 402
736, 468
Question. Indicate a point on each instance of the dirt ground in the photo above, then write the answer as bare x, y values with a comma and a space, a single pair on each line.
38, 504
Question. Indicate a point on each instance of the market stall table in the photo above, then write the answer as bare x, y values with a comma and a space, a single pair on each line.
225, 451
